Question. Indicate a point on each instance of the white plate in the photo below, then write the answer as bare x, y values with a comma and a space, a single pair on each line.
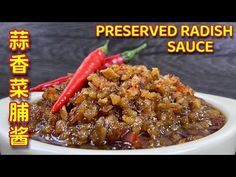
221, 142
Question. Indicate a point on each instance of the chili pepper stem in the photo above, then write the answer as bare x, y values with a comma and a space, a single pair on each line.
105, 47
130, 54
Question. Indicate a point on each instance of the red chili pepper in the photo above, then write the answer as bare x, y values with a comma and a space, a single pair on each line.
90, 64
180, 88
51, 83
130, 137
118, 59
124, 57
136, 140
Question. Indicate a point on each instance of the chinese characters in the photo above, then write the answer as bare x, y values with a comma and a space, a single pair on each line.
19, 39
19, 63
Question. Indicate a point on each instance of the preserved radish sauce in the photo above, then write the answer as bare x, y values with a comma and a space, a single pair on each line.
125, 107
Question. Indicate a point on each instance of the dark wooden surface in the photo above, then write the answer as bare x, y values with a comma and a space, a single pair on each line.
58, 48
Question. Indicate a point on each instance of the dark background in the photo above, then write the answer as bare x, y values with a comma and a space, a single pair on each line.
58, 48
